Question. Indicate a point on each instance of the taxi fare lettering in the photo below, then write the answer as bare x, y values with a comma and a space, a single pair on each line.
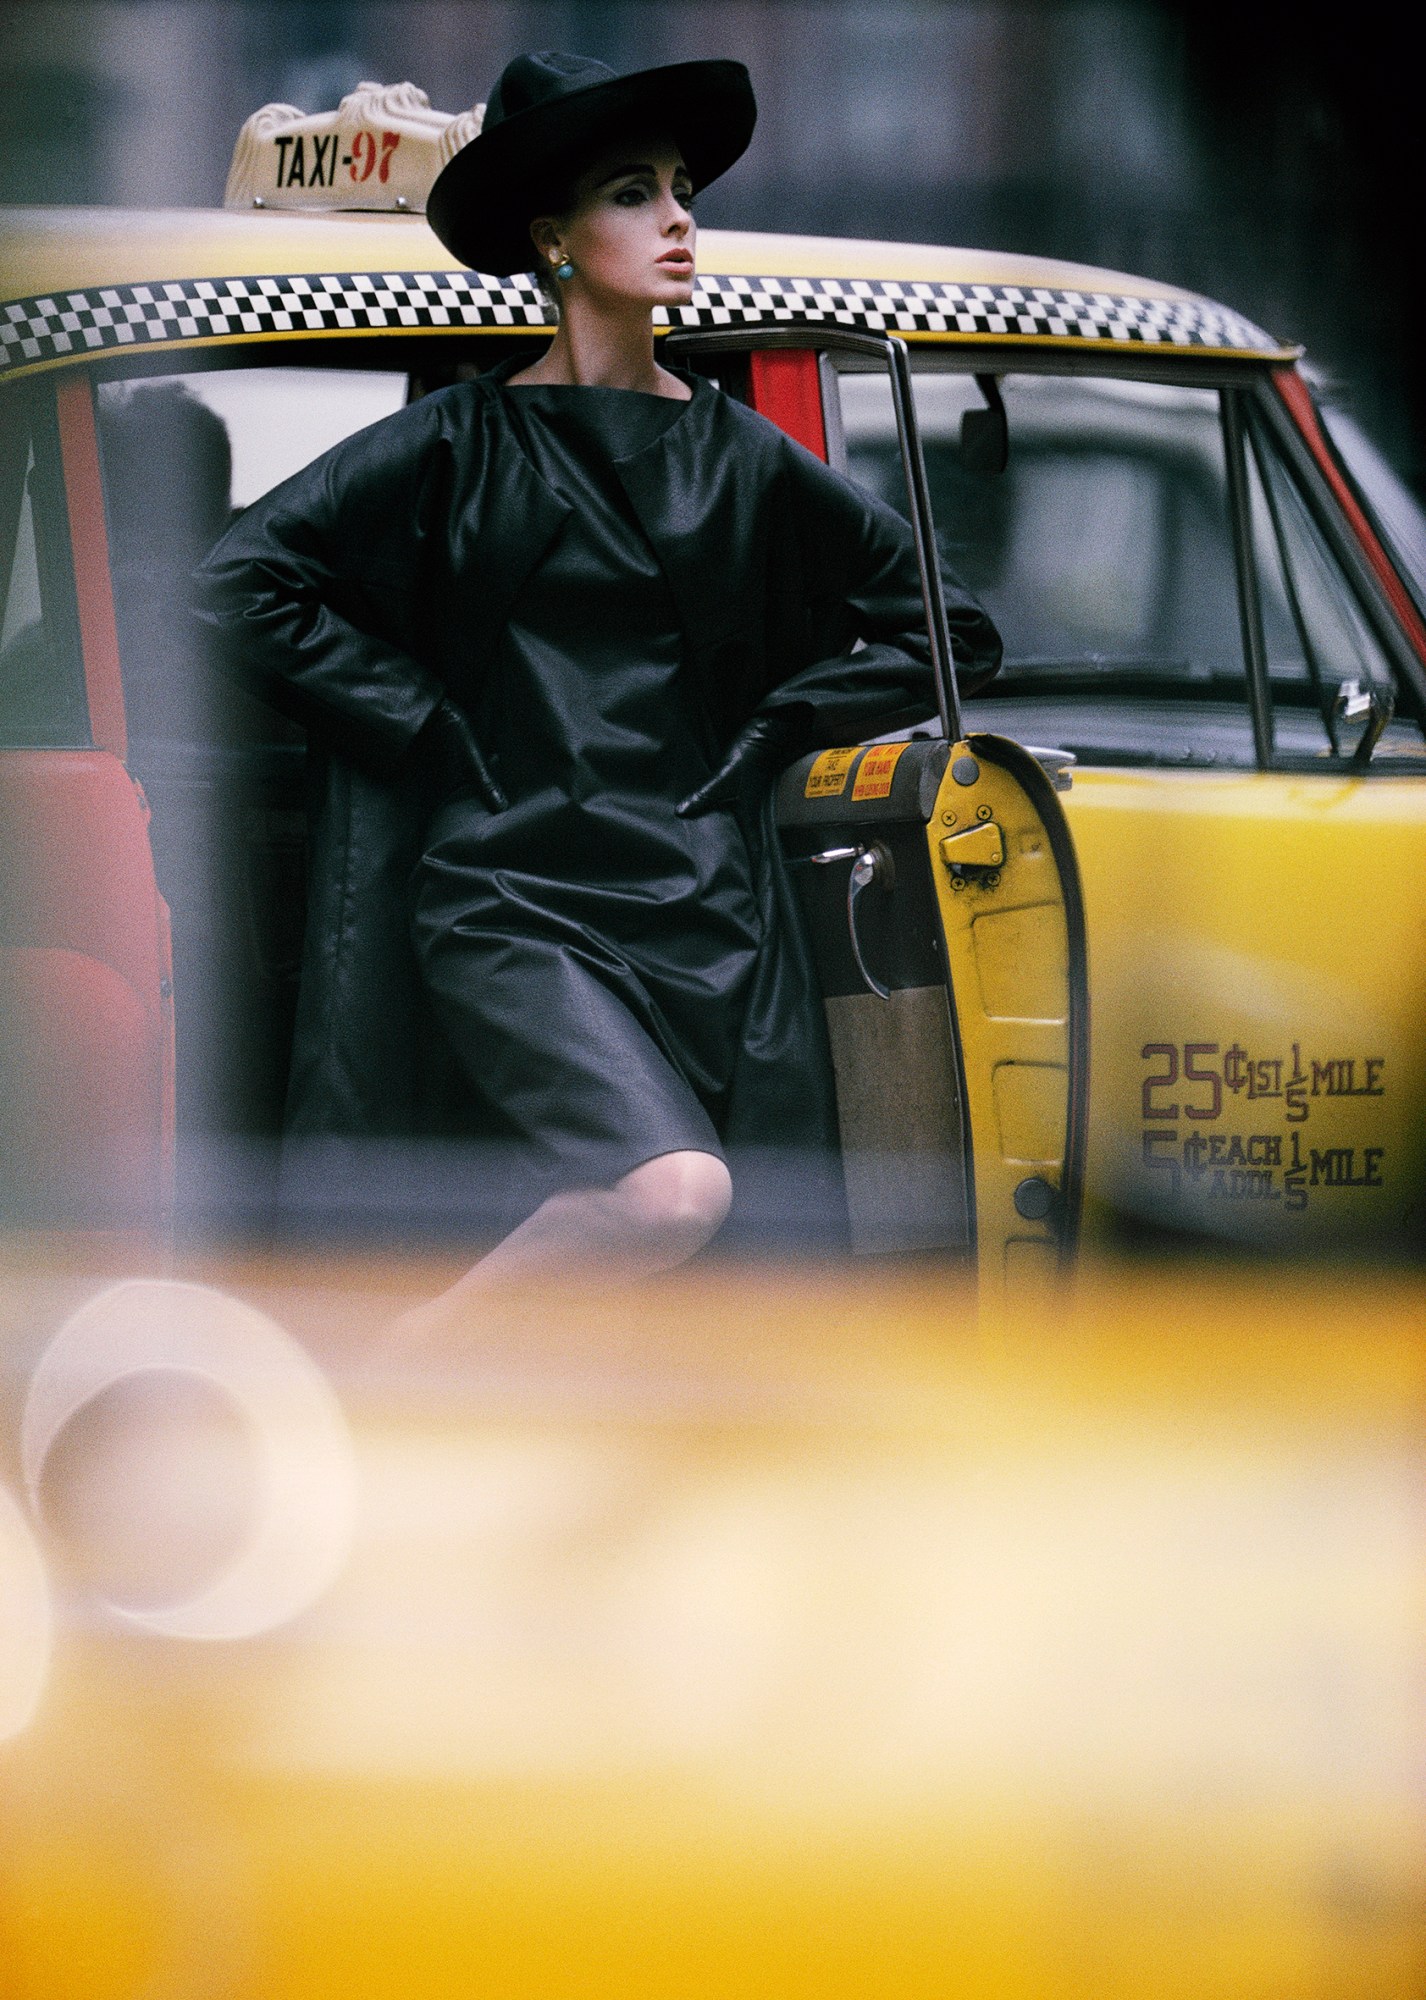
309, 160
1188, 1086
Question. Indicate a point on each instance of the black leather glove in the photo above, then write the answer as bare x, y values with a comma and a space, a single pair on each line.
758, 752
449, 758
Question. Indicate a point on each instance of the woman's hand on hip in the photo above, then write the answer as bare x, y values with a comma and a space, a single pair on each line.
757, 754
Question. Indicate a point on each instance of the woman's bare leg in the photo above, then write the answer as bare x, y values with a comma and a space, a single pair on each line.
659, 1215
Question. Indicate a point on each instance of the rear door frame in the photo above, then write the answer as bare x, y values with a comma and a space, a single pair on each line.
105, 939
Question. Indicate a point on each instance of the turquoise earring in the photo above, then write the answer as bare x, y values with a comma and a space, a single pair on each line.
564, 271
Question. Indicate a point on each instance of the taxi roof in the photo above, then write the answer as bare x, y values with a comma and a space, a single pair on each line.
80, 281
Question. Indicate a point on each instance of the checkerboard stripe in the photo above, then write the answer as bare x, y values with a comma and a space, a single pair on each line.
58, 325
1027, 312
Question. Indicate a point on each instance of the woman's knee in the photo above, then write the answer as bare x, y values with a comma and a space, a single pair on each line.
685, 1196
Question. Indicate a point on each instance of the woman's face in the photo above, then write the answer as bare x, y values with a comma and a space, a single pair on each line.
628, 232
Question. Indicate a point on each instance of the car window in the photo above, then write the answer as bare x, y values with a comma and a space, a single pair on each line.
1103, 552
1321, 653
280, 419
222, 771
42, 696
181, 455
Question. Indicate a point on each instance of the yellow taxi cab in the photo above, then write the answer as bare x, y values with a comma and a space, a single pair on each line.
1128, 947
879, 1650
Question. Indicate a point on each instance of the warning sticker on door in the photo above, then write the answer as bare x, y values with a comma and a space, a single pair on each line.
877, 771
828, 777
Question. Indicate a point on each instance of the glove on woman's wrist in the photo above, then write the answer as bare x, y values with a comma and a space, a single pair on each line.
450, 760
758, 752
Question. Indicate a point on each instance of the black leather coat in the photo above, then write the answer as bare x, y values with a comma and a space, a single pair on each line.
359, 592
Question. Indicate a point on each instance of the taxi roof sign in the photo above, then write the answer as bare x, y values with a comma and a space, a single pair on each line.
380, 149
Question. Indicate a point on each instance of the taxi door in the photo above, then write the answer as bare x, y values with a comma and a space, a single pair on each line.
86, 1019
940, 887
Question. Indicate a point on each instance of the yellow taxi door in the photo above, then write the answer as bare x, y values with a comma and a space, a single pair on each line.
1186, 619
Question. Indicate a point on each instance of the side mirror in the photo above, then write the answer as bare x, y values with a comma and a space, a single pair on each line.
985, 434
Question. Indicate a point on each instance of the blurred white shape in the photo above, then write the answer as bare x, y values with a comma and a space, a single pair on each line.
25, 1622
302, 1504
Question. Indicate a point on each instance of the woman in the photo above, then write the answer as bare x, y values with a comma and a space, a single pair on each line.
554, 632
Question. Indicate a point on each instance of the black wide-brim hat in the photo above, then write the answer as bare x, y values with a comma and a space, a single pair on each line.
548, 114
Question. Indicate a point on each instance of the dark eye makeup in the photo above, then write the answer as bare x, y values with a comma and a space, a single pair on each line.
642, 189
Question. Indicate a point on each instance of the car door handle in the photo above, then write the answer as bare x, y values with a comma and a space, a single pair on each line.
870, 864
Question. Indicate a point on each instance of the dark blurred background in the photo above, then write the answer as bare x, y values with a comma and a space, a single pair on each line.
1268, 155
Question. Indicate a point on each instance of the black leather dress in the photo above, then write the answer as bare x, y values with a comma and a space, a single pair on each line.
610, 585
588, 951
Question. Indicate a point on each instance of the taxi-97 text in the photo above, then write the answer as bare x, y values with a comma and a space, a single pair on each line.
1131, 944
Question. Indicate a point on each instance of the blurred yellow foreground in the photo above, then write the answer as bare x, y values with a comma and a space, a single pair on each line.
742, 1636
